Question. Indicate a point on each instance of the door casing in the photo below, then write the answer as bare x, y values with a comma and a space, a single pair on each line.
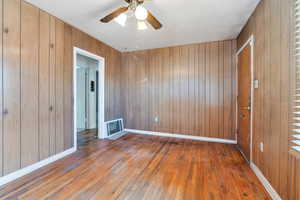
101, 68
250, 42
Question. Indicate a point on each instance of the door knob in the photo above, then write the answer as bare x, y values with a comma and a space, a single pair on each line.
51, 108
242, 116
246, 108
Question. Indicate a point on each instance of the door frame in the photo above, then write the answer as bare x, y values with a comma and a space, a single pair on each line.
101, 92
250, 42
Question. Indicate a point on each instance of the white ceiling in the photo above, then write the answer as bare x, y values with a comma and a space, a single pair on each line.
184, 21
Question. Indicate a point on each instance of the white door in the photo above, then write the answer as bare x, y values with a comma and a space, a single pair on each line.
81, 99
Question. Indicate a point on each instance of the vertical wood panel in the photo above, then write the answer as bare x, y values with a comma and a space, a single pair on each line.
258, 73
155, 92
29, 84
214, 86
11, 86
221, 90
165, 90
150, 89
189, 88
143, 90
184, 89
201, 89
275, 91
68, 88
285, 98
160, 88
267, 87
108, 85
77, 38
44, 86
197, 82
116, 92
112, 85
1, 87
124, 87
227, 89
59, 86
146, 92
176, 88
117, 80
52, 75
207, 89
233, 90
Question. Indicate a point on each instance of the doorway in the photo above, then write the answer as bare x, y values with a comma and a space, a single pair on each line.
88, 98
244, 99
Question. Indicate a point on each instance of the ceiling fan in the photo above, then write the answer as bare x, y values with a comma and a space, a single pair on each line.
137, 9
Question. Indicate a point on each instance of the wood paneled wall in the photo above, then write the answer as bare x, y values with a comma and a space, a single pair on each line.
36, 83
189, 89
271, 24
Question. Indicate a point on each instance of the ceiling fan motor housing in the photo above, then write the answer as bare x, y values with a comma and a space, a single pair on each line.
135, 3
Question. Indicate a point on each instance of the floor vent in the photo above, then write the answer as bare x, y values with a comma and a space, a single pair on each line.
115, 128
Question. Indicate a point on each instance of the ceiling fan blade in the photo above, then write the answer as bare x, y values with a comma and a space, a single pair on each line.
114, 14
128, 1
153, 21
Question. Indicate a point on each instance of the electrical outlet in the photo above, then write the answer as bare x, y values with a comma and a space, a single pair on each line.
262, 147
156, 119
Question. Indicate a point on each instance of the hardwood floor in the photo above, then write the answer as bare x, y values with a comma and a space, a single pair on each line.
137, 167
86, 137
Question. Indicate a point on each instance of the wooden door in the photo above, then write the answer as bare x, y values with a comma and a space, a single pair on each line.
59, 89
68, 88
29, 84
244, 101
11, 86
44, 86
52, 75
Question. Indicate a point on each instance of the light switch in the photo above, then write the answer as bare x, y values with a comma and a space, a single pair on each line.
256, 84
262, 147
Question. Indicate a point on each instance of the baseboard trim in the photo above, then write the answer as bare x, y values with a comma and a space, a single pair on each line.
22, 172
206, 139
274, 195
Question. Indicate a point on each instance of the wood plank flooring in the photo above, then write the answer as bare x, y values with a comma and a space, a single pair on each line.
86, 137
137, 167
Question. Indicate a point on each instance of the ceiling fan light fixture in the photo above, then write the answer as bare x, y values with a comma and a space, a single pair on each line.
141, 13
142, 25
121, 19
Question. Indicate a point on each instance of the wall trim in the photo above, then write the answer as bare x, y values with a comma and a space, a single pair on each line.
251, 42
274, 195
207, 139
101, 114
22, 172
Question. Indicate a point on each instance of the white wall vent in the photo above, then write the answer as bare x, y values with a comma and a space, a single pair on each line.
115, 128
